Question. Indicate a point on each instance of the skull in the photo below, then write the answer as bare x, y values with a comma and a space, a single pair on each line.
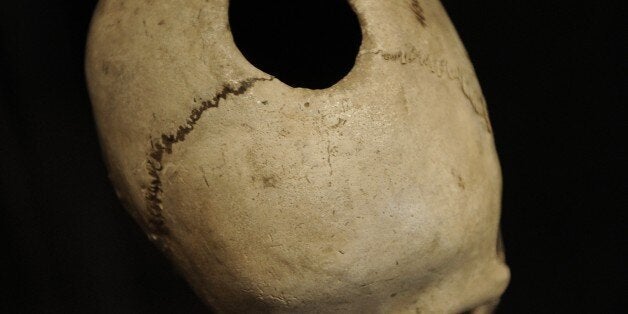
379, 193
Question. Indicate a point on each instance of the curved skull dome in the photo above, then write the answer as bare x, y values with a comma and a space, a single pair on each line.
303, 156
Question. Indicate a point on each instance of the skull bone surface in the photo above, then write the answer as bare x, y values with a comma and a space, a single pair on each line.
380, 193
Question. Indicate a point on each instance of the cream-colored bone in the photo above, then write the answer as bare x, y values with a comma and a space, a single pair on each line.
378, 194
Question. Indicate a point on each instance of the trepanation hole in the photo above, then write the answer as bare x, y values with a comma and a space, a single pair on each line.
304, 43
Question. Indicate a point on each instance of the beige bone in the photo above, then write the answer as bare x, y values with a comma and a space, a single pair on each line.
378, 194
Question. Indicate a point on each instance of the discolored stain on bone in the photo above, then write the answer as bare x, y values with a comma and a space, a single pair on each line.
418, 11
461, 183
163, 145
459, 180
111, 68
269, 181
284, 133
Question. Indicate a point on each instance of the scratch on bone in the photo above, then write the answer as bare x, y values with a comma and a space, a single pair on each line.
418, 11
163, 145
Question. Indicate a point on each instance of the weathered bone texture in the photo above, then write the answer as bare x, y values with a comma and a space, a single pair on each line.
378, 194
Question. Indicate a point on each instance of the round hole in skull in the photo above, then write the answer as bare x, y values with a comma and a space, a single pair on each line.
305, 43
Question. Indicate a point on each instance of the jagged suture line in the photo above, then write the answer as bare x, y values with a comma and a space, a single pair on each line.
163, 145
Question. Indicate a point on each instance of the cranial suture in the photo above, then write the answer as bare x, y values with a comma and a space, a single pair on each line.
378, 191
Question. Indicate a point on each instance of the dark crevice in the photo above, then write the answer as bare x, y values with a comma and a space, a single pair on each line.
311, 44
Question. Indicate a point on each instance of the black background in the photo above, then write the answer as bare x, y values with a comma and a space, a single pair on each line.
551, 72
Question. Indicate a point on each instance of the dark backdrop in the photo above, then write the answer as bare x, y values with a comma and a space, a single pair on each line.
551, 72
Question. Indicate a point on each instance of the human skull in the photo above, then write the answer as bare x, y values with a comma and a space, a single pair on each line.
380, 193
